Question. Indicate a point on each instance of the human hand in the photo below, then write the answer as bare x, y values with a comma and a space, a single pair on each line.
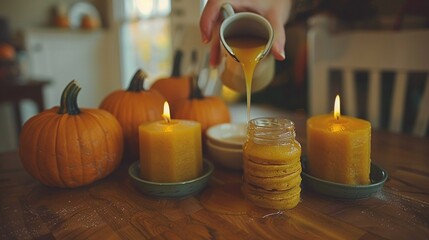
275, 11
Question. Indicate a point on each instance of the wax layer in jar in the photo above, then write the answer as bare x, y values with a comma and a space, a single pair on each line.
272, 174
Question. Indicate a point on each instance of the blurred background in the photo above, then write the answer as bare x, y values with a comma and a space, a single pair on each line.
101, 43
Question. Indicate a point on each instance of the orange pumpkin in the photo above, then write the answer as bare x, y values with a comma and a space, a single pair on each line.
173, 88
69, 147
87, 22
61, 21
206, 110
132, 107
177, 86
7, 51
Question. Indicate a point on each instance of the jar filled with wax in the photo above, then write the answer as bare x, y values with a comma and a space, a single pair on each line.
271, 164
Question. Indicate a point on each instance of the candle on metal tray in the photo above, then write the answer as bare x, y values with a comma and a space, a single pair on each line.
339, 147
170, 149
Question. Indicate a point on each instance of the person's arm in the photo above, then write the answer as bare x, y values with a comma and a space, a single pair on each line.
275, 11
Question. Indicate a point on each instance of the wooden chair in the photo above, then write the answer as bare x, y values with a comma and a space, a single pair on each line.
367, 64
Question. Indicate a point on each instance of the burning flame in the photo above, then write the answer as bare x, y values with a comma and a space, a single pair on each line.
337, 107
166, 112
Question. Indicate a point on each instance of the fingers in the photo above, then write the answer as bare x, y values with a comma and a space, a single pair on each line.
215, 48
279, 39
208, 20
278, 17
209, 28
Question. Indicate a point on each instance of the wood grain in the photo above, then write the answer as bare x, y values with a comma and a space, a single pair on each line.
113, 209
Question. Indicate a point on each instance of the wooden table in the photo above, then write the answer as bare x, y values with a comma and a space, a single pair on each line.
112, 208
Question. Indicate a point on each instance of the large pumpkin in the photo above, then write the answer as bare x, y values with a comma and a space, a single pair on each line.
133, 107
67, 146
206, 110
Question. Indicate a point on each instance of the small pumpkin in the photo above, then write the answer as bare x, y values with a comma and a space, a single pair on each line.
7, 51
177, 86
87, 22
68, 146
173, 88
132, 107
61, 21
208, 111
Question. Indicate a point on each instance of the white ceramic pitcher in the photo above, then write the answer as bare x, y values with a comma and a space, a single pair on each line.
252, 25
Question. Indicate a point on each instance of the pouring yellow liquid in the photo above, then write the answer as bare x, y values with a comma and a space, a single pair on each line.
246, 50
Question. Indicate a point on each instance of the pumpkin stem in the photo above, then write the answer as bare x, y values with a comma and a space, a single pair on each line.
176, 63
195, 89
69, 99
136, 84
74, 108
63, 102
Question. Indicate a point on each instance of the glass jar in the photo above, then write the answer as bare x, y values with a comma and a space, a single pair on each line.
271, 164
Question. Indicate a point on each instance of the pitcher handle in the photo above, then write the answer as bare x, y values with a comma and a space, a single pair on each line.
227, 10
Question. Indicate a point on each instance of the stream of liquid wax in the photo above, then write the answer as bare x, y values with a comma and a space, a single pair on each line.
228, 198
247, 50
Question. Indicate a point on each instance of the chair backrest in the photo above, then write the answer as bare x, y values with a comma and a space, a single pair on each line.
374, 68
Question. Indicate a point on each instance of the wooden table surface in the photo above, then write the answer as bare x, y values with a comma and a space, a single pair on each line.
112, 208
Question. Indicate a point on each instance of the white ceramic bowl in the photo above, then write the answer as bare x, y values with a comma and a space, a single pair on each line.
228, 135
231, 158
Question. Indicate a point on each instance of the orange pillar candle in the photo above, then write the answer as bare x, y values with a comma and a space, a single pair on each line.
170, 150
339, 148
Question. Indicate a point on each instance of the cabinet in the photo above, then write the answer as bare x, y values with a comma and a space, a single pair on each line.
90, 57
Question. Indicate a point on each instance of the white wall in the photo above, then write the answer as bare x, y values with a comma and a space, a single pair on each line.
24, 14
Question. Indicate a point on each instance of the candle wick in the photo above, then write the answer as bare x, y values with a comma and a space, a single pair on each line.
166, 118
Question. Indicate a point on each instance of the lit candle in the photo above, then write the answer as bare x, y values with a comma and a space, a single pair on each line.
339, 147
170, 150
